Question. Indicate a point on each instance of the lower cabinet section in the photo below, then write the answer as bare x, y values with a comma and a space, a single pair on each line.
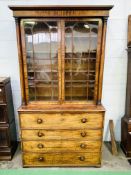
61, 159
61, 139
126, 136
7, 153
8, 143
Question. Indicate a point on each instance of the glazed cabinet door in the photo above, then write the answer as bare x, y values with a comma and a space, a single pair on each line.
61, 59
41, 48
81, 59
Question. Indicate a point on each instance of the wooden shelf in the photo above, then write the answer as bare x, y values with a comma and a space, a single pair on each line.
43, 86
36, 80
35, 59
79, 86
79, 81
40, 52
81, 58
80, 71
70, 37
37, 71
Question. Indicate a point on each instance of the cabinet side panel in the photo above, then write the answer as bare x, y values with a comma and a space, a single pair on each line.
102, 60
17, 21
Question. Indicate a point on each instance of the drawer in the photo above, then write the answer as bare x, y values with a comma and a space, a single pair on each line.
61, 159
129, 127
3, 114
4, 137
62, 146
61, 134
2, 98
62, 121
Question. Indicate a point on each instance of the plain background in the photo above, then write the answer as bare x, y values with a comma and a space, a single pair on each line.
115, 70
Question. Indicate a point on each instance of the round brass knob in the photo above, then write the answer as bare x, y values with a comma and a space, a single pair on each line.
82, 158
39, 121
40, 146
83, 120
40, 134
83, 134
82, 145
41, 159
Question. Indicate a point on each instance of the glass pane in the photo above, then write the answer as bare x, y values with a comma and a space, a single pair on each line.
3, 138
42, 60
80, 60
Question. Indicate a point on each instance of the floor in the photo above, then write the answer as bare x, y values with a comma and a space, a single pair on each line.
109, 162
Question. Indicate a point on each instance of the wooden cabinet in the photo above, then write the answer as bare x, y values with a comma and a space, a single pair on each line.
126, 120
61, 56
8, 140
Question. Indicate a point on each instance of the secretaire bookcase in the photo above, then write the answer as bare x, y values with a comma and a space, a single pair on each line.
61, 56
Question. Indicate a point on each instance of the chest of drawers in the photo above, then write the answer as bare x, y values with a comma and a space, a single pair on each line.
61, 138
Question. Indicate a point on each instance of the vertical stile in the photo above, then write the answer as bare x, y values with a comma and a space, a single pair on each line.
98, 56
89, 50
34, 62
24, 61
102, 60
51, 64
63, 58
72, 42
20, 55
59, 61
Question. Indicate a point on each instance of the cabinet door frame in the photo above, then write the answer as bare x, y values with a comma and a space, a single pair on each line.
98, 56
25, 63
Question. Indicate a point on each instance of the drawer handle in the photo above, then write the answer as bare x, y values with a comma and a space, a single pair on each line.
83, 134
39, 121
41, 159
40, 134
83, 120
82, 145
40, 146
82, 158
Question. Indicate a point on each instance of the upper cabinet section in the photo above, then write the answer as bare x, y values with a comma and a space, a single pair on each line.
61, 53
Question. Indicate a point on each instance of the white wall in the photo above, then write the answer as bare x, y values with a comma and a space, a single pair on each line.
114, 84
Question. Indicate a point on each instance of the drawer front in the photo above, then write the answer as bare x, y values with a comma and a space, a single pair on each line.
61, 134
4, 137
61, 159
3, 114
65, 146
62, 121
129, 127
2, 99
